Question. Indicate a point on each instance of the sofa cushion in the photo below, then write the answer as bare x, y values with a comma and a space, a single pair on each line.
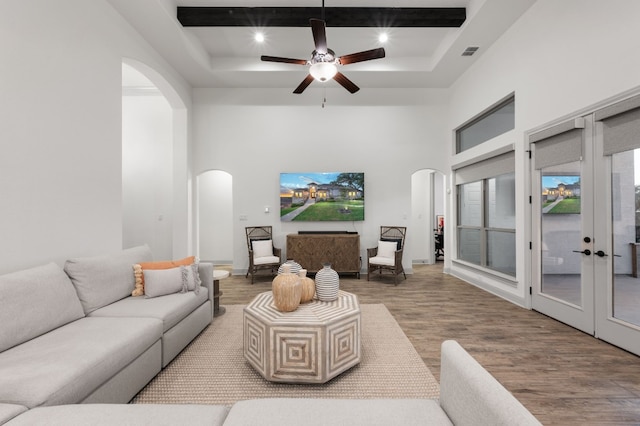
139, 268
124, 414
101, 280
165, 281
170, 309
470, 395
46, 293
67, 364
9, 411
348, 412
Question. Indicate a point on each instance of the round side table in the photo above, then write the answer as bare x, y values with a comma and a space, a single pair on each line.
218, 275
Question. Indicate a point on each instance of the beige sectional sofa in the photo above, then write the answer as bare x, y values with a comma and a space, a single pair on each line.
75, 347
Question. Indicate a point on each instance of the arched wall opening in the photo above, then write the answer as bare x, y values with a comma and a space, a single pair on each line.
214, 217
155, 181
427, 208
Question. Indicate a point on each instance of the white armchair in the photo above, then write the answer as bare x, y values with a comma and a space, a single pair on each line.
262, 253
387, 256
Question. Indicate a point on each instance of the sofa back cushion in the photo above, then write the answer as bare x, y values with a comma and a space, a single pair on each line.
102, 280
470, 395
35, 301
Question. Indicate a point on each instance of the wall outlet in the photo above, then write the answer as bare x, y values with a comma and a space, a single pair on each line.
244, 217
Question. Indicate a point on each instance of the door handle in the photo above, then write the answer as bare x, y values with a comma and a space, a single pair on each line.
603, 254
585, 251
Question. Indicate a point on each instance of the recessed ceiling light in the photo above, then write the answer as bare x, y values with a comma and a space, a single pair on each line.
383, 37
259, 37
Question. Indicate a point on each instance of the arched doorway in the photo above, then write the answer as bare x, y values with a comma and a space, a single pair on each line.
155, 181
427, 207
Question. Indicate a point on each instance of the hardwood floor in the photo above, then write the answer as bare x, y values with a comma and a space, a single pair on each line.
563, 376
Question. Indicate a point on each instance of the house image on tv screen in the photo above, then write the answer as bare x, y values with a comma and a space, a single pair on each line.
561, 194
321, 197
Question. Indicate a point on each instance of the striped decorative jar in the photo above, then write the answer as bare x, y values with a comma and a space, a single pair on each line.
294, 267
327, 284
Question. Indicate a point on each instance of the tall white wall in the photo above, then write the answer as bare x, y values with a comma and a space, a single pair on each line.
147, 174
60, 132
215, 214
560, 57
254, 135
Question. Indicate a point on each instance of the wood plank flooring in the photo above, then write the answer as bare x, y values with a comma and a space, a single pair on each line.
563, 376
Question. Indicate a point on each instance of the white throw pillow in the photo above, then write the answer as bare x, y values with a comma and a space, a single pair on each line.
262, 248
387, 249
193, 278
160, 282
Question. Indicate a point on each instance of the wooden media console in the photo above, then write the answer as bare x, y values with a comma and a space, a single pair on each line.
312, 251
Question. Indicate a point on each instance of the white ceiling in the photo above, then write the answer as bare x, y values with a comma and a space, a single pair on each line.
229, 56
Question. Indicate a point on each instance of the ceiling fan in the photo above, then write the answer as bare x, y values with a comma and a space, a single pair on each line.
324, 63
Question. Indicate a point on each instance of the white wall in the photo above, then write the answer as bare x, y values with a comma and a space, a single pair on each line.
560, 57
215, 215
60, 132
147, 173
256, 134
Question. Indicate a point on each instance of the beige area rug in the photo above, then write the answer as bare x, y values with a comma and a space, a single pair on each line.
212, 369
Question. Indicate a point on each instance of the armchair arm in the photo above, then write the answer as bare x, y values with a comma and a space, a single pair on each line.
372, 252
250, 259
398, 257
277, 252
205, 270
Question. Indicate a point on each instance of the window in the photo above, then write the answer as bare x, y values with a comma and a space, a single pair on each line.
486, 233
498, 120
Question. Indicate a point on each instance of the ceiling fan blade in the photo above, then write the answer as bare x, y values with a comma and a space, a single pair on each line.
346, 83
305, 83
367, 55
319, 35
285, 60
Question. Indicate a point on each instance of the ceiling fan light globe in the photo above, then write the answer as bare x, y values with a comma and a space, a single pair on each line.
323, 71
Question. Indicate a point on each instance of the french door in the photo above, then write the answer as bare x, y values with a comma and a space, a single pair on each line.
586, 223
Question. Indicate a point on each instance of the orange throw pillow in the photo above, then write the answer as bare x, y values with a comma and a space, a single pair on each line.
162, 264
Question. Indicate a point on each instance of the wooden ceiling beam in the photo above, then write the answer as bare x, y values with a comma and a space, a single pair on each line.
380, 17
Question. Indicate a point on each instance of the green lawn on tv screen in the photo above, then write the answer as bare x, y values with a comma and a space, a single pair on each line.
330, 210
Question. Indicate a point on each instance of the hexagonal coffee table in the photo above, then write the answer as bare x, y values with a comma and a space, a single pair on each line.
312, 344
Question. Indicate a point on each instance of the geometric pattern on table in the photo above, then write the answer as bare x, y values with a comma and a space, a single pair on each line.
312, 344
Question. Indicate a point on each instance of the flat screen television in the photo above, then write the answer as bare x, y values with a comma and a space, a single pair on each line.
317, 197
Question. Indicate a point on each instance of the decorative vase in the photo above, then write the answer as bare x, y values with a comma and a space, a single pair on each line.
308, 287
286, 290
327, 284
294, 267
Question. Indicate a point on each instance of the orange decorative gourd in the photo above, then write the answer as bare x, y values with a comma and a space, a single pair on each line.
286, 290
308, 287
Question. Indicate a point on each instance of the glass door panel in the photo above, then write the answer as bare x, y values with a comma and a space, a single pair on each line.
625, 197
563, 273
561, 229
